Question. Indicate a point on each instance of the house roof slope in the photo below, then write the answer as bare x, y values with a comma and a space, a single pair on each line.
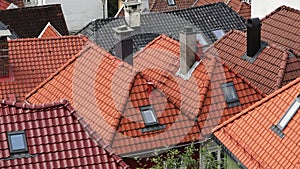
160, 6
57, 137
4, 4
249, 137
204, 19
19, 3
95, 81
49, 32
282, 27
272, 69
33, 60
30, 21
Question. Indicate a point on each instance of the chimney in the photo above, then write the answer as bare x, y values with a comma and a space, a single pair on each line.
132, 13
4, 67
187, 39
253, 36
124, 43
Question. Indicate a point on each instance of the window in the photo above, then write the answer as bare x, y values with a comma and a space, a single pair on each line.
201, 39
17, 142
293, 109
229, 92
149, 116
218, 33
171, 2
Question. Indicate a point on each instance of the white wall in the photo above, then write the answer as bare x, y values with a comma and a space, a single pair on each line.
261, 8
78, 13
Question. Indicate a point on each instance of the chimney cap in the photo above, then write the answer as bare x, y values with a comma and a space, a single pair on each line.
122, 32
253, 21
4, 33
188, 30
132, 3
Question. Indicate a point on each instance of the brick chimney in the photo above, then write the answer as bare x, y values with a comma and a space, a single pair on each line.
4, 67
187, 39
124, 43
132, 13
253, 36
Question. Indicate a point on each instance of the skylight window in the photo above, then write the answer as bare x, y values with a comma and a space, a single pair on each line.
149, 115
293, 109
230, 94
17, 142
171, 2
201, 39
218, 33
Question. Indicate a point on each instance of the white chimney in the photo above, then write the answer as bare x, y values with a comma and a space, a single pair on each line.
132, 13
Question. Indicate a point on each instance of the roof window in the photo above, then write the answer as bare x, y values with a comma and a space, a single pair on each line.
171, 2
230, 94
218, 33
287, 117
17, 142
201, 39
150, 120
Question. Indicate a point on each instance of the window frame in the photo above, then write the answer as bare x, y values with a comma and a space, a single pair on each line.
227, 85
145, 108
173, 3
217, 30
287, 116
19, 151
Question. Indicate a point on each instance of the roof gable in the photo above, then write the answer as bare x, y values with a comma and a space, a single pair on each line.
203, 19
49, 31
4, 4
248, 135
29, 22
282, 27
54, 132
33, 60
272, 69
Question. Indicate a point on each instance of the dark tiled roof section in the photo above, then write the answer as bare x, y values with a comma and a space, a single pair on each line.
57, 137
249, 137
30, 21
33, 60
5, 27
160, 6
204, 19
283, 27
19, 3
268, 72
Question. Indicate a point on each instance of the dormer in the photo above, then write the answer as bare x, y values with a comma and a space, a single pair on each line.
132, 13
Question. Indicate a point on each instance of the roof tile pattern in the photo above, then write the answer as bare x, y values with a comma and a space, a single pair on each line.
272, 69
249, 138
33, 60
29, 22
49, 32
159, 6
56, 138
4, 4
282, 27
95, 81
19, 3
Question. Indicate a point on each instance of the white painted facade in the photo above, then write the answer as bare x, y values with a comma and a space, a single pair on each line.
78, 13
261, 8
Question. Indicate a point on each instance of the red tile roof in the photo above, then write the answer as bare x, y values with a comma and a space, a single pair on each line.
57, 137
19, 3
4, 4
49, 32
33, 60
249, 137
242, 8
283, 27
119, 90
272, 69
159, 6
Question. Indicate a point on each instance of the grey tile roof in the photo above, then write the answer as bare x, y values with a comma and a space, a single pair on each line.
203, 19
5, 27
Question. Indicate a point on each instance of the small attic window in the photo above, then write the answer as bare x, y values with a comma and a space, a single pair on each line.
17, 142
230, 94
171, 2
293, 109
218, 33
149, 116
201, 39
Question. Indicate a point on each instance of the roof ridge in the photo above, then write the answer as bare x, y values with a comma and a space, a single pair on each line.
252, 107
93, 134
25, 105
50, 38
283, 7
281, 72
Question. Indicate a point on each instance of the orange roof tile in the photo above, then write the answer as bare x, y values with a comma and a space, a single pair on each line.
33, 60
4, 4
49, 32
249, 137
272, 69
283, 27
108, 93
